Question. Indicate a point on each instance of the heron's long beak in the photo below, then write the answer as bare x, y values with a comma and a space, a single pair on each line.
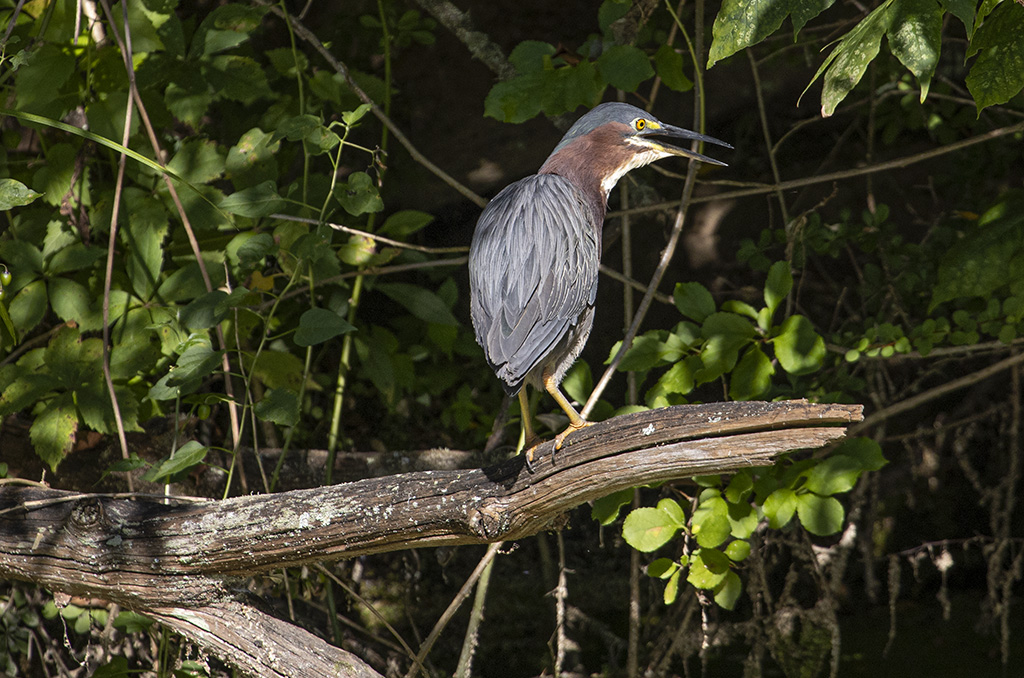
674, 132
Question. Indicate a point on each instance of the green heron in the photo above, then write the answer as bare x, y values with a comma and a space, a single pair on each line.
536, 249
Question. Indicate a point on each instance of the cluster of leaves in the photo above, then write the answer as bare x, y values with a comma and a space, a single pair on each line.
269, 146
729, 342
913, 30
717, 531
554, 82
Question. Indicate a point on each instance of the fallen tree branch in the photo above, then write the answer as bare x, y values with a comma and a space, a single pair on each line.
175, 559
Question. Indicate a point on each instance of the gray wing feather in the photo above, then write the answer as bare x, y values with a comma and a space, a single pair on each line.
533, 271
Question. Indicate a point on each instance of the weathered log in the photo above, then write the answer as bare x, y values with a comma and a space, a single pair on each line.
169, 557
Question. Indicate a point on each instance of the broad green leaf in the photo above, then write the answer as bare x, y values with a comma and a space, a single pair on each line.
752, 376
726, 334
662, 568
281, 369
693, 300
998, 73
710, 524
355, 115
13, 193
708, 568
648, 529
915, 37
578, 382
669, 65
280, 406
779, 507
71, 301
251, 161
132, 622
29, 306
236, 77
738, 550
185, 457
963, 10
845, 65
26, 390
743, 23
834, 475
38, 80
648, 350
743, 520
255, 201
672, 508
528, 56
624, 67
820, 515
606, 509
517, 99
777, 286
798, 347
53, 431
419, 301
198, 161
359, 195
404, 223
866, 451
197, 362
318, 325
989, 256
205, 311
739, 487
728, 590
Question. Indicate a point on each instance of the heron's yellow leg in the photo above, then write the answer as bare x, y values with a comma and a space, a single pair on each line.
576, 422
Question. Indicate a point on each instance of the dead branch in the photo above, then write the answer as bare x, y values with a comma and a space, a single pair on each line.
174, 558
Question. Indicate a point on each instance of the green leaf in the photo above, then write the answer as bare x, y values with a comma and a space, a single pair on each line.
648, 350
915, 37
606, 509
251, 161
528, 56
752, 376
742, 23
280, 406
117, 667
672, 508
624, 67
779, 507
359, 195
693, 300
834, 475
672, 588
726, 334
648, 529
132, 622
404, 223
777, 286
989, 256
419, 301
578, 382
236, 77
710, 524
53, 431
738, 550
820, 515
739, 487
8, 335
728, 590
669, 65
998, 73
15, 194
708, 568
845, 65
255, 201
963, 10
866, 451
318, 325
187, 456
198, 161
662, 568
798, 347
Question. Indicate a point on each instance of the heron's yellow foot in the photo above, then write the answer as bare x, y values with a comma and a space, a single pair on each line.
573, 426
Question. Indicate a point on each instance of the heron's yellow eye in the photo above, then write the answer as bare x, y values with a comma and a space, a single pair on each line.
640, 124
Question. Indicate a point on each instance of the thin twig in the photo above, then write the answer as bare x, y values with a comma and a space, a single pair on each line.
897, 163
453, 607
374, 236
937, 392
